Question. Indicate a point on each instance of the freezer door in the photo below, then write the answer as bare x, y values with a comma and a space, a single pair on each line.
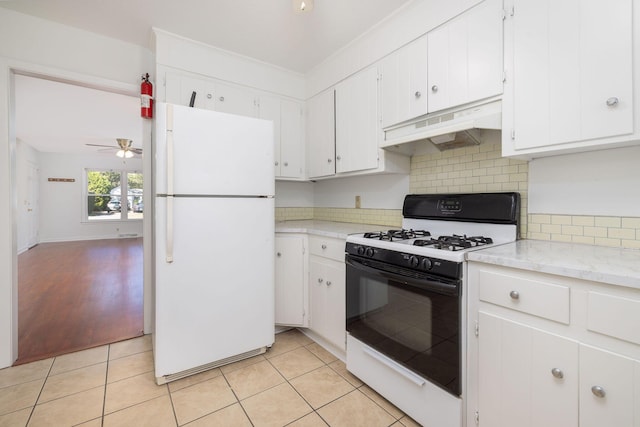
216, 299
213, 153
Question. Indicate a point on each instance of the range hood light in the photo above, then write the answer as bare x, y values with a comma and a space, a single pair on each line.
441, 139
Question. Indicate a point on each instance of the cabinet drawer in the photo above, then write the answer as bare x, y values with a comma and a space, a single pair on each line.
614, 316
327, 247
541, 299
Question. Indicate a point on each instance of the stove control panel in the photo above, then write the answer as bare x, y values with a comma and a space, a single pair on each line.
408, 261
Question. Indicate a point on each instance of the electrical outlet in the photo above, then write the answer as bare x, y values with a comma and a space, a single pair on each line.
358, 202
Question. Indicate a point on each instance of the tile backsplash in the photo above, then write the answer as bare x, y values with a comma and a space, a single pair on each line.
483, 169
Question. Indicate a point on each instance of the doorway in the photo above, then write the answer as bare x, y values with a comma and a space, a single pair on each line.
69, 267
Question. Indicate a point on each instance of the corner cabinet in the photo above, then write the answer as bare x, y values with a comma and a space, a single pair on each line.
571, 67
291, 285
551, 351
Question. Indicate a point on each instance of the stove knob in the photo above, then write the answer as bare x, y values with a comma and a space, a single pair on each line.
413, 261
360, 250
426, 264
369, 252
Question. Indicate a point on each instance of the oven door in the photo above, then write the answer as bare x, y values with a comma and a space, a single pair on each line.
411, 317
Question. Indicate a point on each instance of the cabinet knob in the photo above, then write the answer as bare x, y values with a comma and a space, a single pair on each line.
221, 99
324, 246
278, 254
329, 160
417, 94
434, 88
328, 282
613, 101
514, 295
320, 280
557, 373
286, 163
338, 158
598, 391
209, 96
277, 163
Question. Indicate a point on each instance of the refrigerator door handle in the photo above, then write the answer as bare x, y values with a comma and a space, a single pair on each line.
169, 249
169, 254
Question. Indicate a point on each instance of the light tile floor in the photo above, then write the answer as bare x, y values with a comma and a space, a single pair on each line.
296, 383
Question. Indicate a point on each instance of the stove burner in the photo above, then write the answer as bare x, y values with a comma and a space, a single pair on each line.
402, 234
454, 243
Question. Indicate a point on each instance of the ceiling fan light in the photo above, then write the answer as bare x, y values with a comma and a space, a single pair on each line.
128, 154
120, 153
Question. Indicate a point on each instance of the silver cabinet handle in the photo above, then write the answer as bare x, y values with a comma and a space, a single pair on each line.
613, 101
514, 295
417, 94
328, 282
434, 88
277, 163
319, 279
557, 373
286, 163
338, 158
598, 391
278, 254
221, 99
324, 246
329, 160
209, 96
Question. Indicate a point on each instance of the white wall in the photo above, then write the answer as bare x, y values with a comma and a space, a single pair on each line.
62, 203
605, 182
291, 194
375, 191
43, 47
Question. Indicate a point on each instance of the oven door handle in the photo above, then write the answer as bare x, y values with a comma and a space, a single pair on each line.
441, 287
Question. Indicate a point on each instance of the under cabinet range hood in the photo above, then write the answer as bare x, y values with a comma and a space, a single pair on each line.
463, 126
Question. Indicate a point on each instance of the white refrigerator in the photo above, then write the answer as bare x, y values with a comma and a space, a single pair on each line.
213, 240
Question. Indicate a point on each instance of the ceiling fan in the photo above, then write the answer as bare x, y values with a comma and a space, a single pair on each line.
125, 150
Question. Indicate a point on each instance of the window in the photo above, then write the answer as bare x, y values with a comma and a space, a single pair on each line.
104, 194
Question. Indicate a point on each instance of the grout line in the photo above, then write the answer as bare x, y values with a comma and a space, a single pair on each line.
33, 408
106, 377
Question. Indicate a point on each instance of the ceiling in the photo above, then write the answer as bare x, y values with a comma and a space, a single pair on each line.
55, 117
268, 30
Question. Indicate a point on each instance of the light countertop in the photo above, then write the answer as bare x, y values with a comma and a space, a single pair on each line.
338, 230
615, 266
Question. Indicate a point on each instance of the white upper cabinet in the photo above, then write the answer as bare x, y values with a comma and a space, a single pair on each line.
404, 83
357, 126
210, 94
321, 148
288, 139
569, 67
464, 57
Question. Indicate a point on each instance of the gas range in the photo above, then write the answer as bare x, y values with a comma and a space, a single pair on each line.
445, 226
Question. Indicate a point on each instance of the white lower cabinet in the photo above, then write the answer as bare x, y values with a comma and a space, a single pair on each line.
535, 367
327, 290
291, 280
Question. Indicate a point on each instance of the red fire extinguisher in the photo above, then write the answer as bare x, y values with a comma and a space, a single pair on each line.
146, 97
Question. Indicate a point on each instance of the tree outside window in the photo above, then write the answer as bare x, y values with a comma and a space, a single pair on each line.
105, 200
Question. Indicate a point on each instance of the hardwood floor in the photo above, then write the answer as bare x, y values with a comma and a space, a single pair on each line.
77, 295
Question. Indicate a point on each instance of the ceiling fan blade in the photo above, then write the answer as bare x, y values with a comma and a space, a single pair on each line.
136, 150
101, 145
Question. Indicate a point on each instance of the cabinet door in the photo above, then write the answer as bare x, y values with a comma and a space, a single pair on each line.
290, 281
291, 139
606, 388
572, 71
527, 377
179, 90
235, 100
357, 129
321, 135
465, 57
328, 301
404, 83
270, 110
